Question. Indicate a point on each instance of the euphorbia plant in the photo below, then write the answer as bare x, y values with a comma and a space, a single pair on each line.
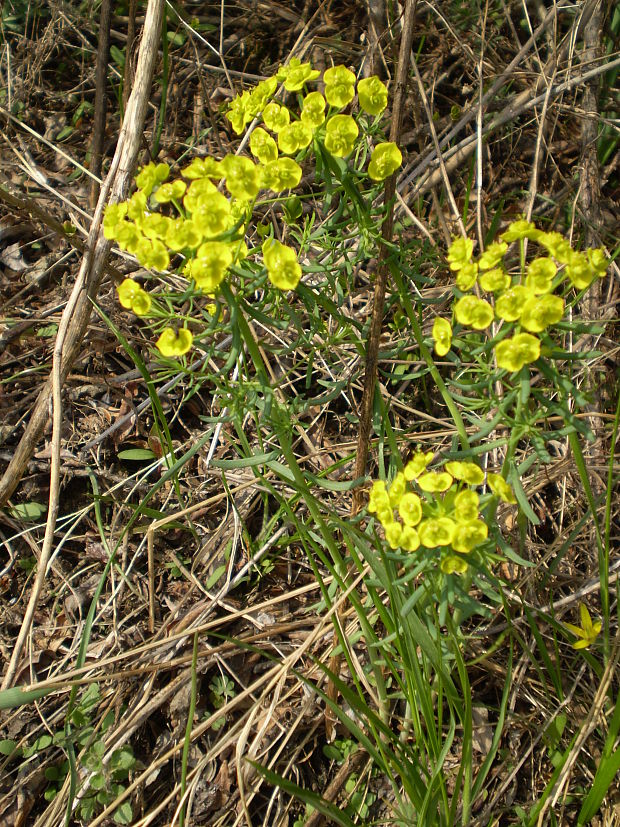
202, 224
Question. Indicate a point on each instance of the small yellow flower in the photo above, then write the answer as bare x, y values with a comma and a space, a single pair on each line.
174, 342
522, 349
499, 486
397, 489
520, 229
433, 481
393, 533
494, 280
466, 276
436, 532
540, 273
492, 255
466, 505
459, 253
541, 311
133, 297
372, 95
417, 464
468, 535
453, 564
340, 134
296, 74
263, 146
276, 117
385, 160
442, 335
410, 509
469, 472
473, 312
283, 269
587, 632
409, 539
313, 110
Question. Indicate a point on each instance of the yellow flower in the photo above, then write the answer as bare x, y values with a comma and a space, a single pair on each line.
113, 217
598, 260
378, 498
276, 117
452, 564
494, 280
202, 168
466, 276
492, 255
469, 472
522, 349
509, 305
283, 269
199, 194
313, 110
541, 311
521, 229
263, 146
393, 533
410, 509
397, 489
174, 342
442, 335
171, 191
436, 532
540, 273
294, 137
238, 112
241, 177
499, 486
133, 297
473, 312
385, 160
296, 74
468, 535
339, 86
409, 538
151, 175
340, 134
466, 504
557, 245
417, 464
283, 174
211, 214
459, 253
587, 632
372, 95
433, 482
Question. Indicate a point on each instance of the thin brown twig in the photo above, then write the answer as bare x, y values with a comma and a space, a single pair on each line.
376, 324
101, 100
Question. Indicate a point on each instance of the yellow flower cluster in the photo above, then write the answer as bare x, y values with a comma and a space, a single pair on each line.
192, 216
527, 300
336, 131
203, 224
436, 509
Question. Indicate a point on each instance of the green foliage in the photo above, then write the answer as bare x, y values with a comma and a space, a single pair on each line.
106, 777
